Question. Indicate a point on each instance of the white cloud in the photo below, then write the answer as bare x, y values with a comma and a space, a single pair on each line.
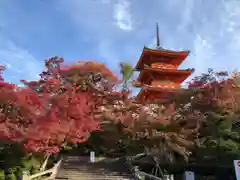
209, 29
214, 31
19, 62
202, 53
100, 26
231, 21
186, 14
122, 15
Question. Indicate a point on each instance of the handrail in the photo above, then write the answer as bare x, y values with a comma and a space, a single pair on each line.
136, 172
52, 170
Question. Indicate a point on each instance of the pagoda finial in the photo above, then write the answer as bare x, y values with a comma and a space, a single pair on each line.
158, 39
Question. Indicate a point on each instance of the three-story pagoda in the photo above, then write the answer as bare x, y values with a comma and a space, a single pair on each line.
159, 76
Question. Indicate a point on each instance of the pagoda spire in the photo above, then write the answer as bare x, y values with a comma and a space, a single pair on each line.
158, 38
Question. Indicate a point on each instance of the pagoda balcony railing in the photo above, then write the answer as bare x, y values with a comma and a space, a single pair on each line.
161, 66
163, 84
167, 66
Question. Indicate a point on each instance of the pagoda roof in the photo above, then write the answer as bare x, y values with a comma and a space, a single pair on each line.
177, 57
173, 74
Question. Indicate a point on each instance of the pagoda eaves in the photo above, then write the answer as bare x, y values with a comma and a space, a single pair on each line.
149, 74
150, 56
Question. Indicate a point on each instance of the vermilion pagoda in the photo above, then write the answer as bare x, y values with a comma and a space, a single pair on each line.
159, 74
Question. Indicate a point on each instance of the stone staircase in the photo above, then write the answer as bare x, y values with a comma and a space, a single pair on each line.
79, 168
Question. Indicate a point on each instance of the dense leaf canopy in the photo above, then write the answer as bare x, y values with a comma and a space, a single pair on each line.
69, 103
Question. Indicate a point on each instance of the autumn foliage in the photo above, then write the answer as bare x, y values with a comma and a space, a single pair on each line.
68, 103
47, 114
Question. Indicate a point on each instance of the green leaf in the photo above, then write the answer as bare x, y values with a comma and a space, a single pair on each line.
2, 174
127, 71
67, 148
162, 128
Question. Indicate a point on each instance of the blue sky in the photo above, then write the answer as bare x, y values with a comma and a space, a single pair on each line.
111, 31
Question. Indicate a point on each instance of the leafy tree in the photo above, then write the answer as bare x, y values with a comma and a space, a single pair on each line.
215, 96
46, 121
59, 109
126, 71
69, 103
153, 127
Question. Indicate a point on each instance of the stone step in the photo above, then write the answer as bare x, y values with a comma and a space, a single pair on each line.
79, 168
93, 178
93, 173
88, 173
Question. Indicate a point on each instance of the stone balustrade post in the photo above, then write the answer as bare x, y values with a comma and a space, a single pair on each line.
189, 175
25, 175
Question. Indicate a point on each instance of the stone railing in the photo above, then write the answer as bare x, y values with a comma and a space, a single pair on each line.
139, 175
53, 172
